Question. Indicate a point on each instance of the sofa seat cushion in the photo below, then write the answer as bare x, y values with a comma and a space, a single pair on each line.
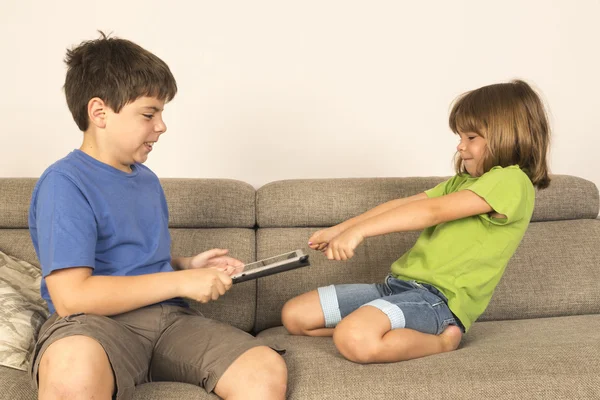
171, 391
16, 385
553, 358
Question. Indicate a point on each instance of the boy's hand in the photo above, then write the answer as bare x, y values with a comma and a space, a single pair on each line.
204, 284
320, 239
217, 259
342, 246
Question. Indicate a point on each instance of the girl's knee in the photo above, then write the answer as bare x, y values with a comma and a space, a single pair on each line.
299, 314
289, 317
355, 345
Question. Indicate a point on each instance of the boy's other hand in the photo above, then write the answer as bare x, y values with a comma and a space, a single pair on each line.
204, 284
217, 259
320, 239
342, 246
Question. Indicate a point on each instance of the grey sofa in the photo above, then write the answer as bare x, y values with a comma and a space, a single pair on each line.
539, 338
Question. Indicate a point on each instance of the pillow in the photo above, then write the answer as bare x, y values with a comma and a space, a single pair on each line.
22, 311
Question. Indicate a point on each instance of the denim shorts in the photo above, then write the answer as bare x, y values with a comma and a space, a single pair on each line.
408, 304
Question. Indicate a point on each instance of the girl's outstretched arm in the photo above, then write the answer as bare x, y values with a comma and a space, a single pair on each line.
412, 216
320, 239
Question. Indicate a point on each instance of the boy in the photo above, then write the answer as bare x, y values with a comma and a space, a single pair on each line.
99, 224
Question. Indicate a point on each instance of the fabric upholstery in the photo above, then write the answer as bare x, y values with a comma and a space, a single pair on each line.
326, 202
551, 274
15, 195
238, 305
545, 358
198, 203
538, 338
209, 203
17, 243
370, 264
16, 385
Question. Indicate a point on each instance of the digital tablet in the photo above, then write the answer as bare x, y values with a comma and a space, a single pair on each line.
274, 265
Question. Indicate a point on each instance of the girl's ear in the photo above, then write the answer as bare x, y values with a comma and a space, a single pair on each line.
97, 112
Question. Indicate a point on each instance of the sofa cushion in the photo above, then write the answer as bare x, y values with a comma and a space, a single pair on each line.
370, 264
17, 243
203, 214
209, 203
238, 305
15, 196
326, 202
22, 311
197, 203
16, 385
550, 358
171, 391
554, 272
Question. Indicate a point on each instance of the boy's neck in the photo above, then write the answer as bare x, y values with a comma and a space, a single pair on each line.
92, 148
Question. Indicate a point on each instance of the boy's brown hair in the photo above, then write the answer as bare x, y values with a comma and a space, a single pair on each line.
512, 119
116, 70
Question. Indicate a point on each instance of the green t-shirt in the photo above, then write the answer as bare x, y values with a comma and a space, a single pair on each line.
466, 258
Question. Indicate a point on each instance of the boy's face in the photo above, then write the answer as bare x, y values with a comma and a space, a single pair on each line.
130, 134
472, 148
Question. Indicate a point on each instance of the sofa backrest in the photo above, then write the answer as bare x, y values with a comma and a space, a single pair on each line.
203, 214
216, 213
554, 272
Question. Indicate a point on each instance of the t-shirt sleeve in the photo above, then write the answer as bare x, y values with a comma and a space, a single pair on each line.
65, 225
506, 191
443, 188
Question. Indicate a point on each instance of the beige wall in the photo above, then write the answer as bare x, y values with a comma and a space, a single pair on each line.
308, 89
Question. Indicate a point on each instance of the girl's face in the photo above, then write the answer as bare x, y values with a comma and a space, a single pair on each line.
472, 149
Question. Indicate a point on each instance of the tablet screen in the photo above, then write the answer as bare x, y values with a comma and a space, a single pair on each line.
270, 261
274, 265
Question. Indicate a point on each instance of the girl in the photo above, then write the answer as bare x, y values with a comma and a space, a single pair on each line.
473, 223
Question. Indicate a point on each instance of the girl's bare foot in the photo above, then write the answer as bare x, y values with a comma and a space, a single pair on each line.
451, 337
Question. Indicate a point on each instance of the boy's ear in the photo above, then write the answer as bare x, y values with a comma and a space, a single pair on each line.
97, 112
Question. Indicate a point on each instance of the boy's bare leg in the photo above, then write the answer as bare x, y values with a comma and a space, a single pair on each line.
259, 373
365, 337
75, 367
303, 315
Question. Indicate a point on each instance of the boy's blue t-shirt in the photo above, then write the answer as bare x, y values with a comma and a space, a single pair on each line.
86, 213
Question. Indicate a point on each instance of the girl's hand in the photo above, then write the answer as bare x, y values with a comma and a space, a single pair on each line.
320, 239
342, 246
217, 259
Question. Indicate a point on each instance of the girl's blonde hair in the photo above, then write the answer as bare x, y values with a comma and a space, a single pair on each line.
512, 120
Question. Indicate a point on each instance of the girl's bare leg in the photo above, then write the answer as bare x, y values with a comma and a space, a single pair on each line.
365, 336
303, 315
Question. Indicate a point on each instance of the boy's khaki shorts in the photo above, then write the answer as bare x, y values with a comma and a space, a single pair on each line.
156, 343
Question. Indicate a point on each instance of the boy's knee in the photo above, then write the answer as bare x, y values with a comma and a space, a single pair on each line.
271, 371
260, 373
75, 367
272, 365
